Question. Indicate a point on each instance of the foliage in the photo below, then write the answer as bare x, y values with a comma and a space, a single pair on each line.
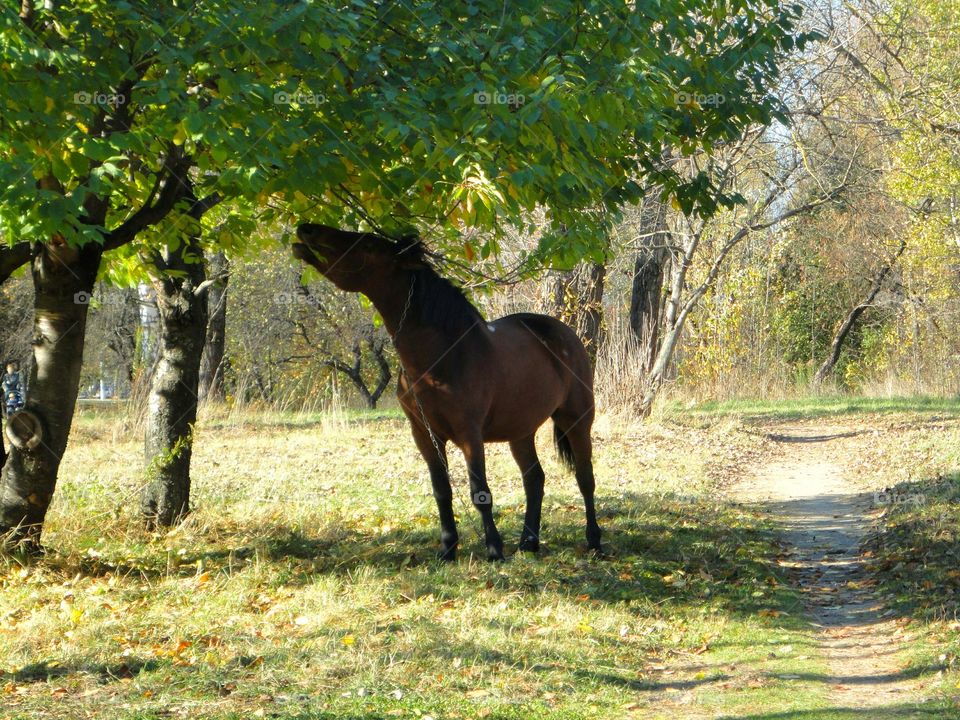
355, 112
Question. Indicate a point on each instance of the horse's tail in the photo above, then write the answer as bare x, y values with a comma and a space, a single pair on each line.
564, 448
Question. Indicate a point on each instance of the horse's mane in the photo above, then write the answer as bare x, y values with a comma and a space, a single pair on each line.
436, 300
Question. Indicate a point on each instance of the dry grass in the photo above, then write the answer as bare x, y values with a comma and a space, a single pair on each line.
304, 583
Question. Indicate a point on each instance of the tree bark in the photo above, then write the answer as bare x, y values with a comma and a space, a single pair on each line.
213, 364
63, 278
578, 298
174, 389
649, 273
846, 327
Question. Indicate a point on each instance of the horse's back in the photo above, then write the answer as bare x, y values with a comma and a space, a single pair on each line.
564, 348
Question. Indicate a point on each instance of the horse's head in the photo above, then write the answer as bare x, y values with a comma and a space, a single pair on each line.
355, 261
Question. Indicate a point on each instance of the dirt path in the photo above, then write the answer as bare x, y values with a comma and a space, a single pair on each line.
806, 487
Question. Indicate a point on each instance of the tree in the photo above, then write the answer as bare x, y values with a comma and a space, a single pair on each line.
649, 272
111, 122
836, 346
578, 301
213, 365
348, 345
716, 238
389, 115
178, 277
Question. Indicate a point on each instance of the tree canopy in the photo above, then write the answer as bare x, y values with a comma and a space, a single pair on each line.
425, 114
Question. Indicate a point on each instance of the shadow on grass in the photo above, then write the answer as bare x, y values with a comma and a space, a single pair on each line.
809, 439
675, 555
916, 548
44, 671
660, 550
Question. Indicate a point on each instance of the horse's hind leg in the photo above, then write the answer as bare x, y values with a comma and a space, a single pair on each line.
436, 457
577, 433
525, 453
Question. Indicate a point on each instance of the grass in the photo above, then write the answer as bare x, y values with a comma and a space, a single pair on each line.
304, 585
813, 407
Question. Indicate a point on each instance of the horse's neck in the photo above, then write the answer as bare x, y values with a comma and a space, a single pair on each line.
393, 301
421, 346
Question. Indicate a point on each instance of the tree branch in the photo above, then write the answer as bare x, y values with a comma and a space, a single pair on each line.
13, 258
175, 188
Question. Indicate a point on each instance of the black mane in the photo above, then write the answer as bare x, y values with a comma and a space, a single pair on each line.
436, 301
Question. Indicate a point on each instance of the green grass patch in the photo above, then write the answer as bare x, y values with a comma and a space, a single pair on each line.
814, 407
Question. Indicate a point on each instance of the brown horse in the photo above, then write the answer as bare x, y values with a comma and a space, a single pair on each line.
467, 381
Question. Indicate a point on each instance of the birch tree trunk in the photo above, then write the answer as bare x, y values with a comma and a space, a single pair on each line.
63, 279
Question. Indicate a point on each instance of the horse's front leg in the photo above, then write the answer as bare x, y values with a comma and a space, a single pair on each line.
436, 457
481, 497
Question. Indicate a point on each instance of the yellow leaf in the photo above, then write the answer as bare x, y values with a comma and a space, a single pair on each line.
75, 615
203, 578
349, 640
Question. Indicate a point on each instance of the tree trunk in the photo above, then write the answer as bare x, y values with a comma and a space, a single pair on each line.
182, 308
213, 365
384, 374
63, 279
836, 347
649, 273
578, 298
674, 318
658, 369
11, 260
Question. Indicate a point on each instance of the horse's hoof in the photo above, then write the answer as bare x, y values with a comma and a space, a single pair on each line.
447, 555
495, 554
599, 552
529, 544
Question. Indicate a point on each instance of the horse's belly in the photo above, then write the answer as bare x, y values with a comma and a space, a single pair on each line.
519, 416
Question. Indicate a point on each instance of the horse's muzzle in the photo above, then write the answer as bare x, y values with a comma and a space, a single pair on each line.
302, 251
